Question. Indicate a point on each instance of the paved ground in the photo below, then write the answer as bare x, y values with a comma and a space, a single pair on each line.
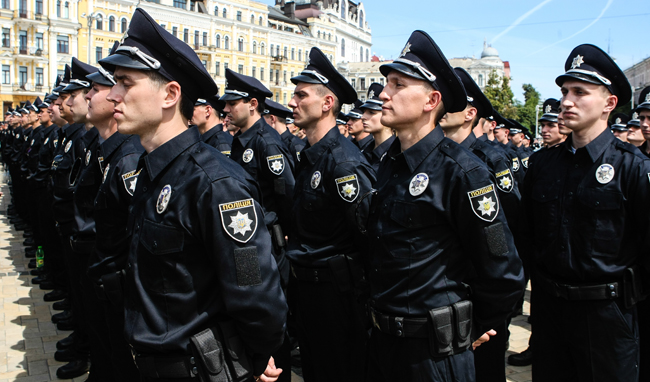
28, 337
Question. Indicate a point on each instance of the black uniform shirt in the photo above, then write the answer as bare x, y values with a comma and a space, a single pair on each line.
46, 154
644, 149
199, 254
332, 176
62, 165
294, 144
435, 224
85, 178
375, 155
588, 212
219, 139
365, 143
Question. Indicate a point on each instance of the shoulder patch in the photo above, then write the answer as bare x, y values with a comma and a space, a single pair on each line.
130, 180
276, 163
348, 187
515, 164
504, 180
524, 162
484, 202
239, 219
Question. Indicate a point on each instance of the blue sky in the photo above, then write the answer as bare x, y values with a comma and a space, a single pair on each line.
535, 36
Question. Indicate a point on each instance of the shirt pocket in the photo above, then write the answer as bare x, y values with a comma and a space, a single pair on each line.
546, 211
161, 261
321, 215
407, 232
601, 217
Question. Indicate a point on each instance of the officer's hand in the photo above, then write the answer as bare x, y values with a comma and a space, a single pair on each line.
484, 338
271, 373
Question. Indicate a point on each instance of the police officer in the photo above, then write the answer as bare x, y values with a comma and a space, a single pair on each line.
587, 206
199, 260
502, 134
643, 113
551, 134
433, 226
276, 116
207, 117
326, 250
361, 138
619, 126
382, 136
342, 124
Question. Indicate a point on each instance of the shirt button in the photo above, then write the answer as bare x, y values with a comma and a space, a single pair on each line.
155, 245
570, 193
395, 176
144, 189
399, 333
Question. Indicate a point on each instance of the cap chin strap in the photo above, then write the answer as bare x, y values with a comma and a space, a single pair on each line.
417, 66
591, 74
237, 92
147, 59
107, 75
318, 76
85, 84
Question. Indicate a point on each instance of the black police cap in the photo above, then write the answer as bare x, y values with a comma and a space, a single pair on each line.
103, 76
591, 64
474, 94
551, 110
45, 103
634, 120
341, 119
78, 75
65, 80
239, 86
274, 108
356, 111
25, 107
213, 101
619, 122
320, 70
422, 59
502, 123
373, 102
516, 127
148, 46
644, 100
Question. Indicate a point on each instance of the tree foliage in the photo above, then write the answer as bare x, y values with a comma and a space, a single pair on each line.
526, 112
500, 95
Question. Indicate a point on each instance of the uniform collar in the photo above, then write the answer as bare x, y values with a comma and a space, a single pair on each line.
362, 143
73, 128
112, 143
210, 133
416, 154
286, 135
312, 153
244, 138
380, 150
595, 148
469, 141
157, 160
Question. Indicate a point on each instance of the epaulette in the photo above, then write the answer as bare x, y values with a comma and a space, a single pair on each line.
465, 159
345, 151
630, 148
216, 165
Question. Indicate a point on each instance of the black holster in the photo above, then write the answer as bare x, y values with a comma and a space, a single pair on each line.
633, 290
451, 327
221, 355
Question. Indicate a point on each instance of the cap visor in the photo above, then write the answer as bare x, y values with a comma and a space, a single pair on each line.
386, 68
99, 78
576, 76
72, 87
306, 79
112, 61
548, 118
230, 97
643, 106
371, 106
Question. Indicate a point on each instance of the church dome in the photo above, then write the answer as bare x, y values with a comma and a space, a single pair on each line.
489, 51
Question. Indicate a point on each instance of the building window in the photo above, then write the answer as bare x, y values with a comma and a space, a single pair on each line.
22, 8
123, 27
318, 34
226, 42
6, 77
254, 47
6, 37
381, 81
58, 8
286, 52
354, 83
293, 53
285, 98
253, 72
360, 19
186, 35
240, 44
66, 10
277, 50
480, 80
180, 4
238, 15
362, 82
217, 69
62, 43
277, 96
225, 13
240, 69
98, 53
225, 67
39, 41
39, 77
5, 4
192, 5
22, 75
218, 41
196, 39
262, 74
175, 31
252, 19
205, 38
39, 7
111, 24
261, 20
329, 36
22, 41
100, 23
216, 11
360, 54
271, 49
343, 9
284, 76
262, 49
342, 47
367, 55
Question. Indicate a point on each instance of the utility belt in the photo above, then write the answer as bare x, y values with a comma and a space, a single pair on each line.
218, 355
447, 328
111, 288
343, 271
630, 289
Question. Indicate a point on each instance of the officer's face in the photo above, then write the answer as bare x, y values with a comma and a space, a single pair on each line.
239, 112
584, 104
551, 133
635, 136
622, 135
372, 121
78, 105
99, 108
308, 107
64, 109
33, 117
199, 117
407, 102
488, 126
517, 138
644, 121
355, 126
55, 114
44, 116
501, 135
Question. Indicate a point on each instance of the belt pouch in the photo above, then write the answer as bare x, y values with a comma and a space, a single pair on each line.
278, 235
339, 267
210, 355
463, 317
632, 287
239, 364
441, 336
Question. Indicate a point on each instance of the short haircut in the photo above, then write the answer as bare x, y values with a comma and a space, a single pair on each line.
186, 105
261, 106
322, 91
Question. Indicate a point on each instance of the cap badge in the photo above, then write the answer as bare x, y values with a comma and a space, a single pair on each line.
618, 121
647, 97
548, 109
248, 155
577, 61
419, 183
407, 48
485, 203
315, 180
163, 199
605, 173
124, 37
348, 187
371, 94
635, 115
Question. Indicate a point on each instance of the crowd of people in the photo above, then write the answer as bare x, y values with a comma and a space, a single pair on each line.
191, 234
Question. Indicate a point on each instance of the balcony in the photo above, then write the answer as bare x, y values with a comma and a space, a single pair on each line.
22, 50
25, 18
279, 59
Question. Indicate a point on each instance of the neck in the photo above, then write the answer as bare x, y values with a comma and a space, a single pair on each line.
361, 135
280, 128
478, 130
165, 132
381, 136
250, 122
208, 126
106, 128
410, 136
490, 135
581, 138
48, 124
458, 134
317, 132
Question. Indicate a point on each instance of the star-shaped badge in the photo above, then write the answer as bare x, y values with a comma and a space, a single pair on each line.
647, 97
486, 206
240, 223
371, 94
506, 183
348, 191
548, 109
406, 49
276, 166
577, 61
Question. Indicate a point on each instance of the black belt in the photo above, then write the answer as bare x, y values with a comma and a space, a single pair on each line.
313, 275
400, 326
166, 367
608, 291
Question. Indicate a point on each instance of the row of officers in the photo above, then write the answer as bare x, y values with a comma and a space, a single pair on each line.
197, 253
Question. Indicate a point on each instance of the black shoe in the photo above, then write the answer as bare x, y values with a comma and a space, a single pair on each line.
32, 264
35, 272
28, 242
63, 316
66, 355
62, 305
21, 227
37, 280
524, 358
65, 325
47, 285
30, 252
28, 234
55, 295
66, 342
73, 369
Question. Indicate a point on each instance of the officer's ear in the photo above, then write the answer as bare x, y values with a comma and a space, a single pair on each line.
173, 95
610, 102
253, 105
434, 99
470, 113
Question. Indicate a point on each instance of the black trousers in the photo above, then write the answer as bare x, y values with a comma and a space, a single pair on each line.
595, 341
120, 352
331, 334
489, 358
392, 358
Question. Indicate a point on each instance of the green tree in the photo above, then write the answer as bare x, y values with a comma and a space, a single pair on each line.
526, 112
500, 95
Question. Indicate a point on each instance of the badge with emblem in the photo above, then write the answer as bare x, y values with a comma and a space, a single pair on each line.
56, 143
163, 198
548, 109
485, 203
419, 184
515, 164
67, 146
88, 155
605, 173
25, 138
32, 143
577, 61
248, 155
524, 162
298, 155
276, 163
239, 219
348, 187
130, 180
636, 115
108, 166
226, 153
56, 161
315, 180
407, 48
647, 97
371, 94
46, 140
504, 180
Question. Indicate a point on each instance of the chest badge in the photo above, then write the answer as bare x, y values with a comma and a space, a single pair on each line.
108, 166
485, 203
88, 155
348, 187
276, 163
315, 180
515, 164
239, 219
56, 143
46, 140
32, 143
605, 173
248, 155
419, 184
163, 199
25, 137
67, 146
525, 162
130, 180
504, 180
298, 155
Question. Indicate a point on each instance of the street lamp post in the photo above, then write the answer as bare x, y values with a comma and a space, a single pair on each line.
90, 18
537, 121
